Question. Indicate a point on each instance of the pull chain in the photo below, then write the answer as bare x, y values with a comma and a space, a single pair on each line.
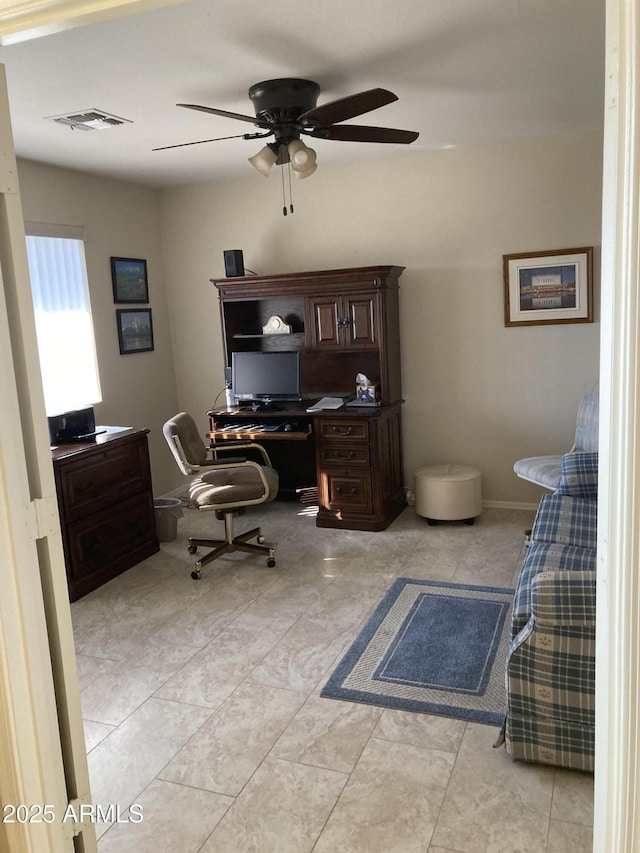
284, 201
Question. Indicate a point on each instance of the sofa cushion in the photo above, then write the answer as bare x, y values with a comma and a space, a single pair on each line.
546, 557
566, 520
579, 475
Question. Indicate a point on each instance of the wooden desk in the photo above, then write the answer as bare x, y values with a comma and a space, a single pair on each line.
353, 455
106, 509
342, 322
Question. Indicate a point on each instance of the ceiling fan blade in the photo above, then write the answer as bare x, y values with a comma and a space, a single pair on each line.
225, 114
363, 133
215, 139
346, 108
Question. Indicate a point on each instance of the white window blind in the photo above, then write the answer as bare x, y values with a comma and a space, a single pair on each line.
64, 325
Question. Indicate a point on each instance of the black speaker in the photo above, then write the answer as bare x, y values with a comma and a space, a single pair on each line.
233, 263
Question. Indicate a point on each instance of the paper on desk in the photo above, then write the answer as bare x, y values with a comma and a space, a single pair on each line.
326, 403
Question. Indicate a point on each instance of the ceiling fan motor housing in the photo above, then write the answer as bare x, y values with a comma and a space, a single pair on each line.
281, 102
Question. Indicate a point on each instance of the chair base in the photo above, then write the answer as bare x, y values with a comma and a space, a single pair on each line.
229, 544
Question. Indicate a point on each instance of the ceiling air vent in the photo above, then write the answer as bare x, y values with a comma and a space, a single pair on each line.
89, 120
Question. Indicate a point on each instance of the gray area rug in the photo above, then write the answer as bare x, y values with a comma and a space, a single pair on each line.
431, 647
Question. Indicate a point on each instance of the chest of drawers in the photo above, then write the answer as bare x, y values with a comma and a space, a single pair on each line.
359, 468
106, 509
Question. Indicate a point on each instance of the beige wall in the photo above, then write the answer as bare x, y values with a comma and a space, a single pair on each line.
120, 220
475, 391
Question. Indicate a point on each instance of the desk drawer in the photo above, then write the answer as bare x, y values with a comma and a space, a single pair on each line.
89, 484
349, 492
332, 454
343, 430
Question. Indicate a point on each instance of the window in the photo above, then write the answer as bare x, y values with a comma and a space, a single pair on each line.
64, 326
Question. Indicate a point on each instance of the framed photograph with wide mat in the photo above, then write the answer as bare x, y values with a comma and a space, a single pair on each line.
432, 647
541, 288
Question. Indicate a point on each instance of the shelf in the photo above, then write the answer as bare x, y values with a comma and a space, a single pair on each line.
271, 335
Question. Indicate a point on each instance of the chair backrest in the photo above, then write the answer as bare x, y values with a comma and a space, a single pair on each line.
587, 421
186, 444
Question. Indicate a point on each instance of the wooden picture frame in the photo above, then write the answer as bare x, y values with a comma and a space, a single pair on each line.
543, 288
129, 280
135, 330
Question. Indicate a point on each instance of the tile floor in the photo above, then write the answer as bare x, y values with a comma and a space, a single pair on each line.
201, 704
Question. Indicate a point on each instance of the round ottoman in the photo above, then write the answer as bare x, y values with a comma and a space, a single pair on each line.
448, 493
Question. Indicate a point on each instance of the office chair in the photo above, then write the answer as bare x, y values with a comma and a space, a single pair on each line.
224, 485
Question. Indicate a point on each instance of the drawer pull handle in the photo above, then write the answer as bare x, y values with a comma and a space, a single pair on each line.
337, 431
353, 491
86, 486
342, 457
128, 472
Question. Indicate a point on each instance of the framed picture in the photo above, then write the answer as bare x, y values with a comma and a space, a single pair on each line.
548, 287
129, 280
135, 330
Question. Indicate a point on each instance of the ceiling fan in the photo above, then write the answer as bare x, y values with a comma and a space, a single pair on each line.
286, 109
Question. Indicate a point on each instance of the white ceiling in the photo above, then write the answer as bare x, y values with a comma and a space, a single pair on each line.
466, 72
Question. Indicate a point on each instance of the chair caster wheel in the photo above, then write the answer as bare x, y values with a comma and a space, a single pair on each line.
260, 539
192, 549
195, 575
432, 522
468, 521
271, 562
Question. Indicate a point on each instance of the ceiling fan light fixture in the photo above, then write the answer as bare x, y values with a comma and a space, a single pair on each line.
300, 174
264, 160
302, 157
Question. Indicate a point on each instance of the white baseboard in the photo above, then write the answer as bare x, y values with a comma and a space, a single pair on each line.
509, 505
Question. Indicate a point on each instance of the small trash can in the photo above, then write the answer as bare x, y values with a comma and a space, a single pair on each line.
168, 511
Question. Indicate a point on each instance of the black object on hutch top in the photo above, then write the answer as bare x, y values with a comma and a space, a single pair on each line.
343, 322
106, 508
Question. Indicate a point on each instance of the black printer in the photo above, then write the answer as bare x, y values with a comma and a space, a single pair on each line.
69, 427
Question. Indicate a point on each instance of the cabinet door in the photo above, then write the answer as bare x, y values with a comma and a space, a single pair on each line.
342, 322
359, 321
323, 315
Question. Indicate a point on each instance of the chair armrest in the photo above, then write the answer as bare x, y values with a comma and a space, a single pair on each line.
579, 475
230, 460
564, 599
239, 445
550, 668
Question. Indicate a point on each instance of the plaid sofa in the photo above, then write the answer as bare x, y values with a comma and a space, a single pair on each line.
550, 669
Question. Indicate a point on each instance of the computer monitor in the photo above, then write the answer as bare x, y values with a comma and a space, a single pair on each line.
265, 376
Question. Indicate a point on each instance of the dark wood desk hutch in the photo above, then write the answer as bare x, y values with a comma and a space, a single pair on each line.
343, 322
106, 509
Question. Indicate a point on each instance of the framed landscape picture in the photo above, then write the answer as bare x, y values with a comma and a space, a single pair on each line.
541, 288
135, 330
129, 280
